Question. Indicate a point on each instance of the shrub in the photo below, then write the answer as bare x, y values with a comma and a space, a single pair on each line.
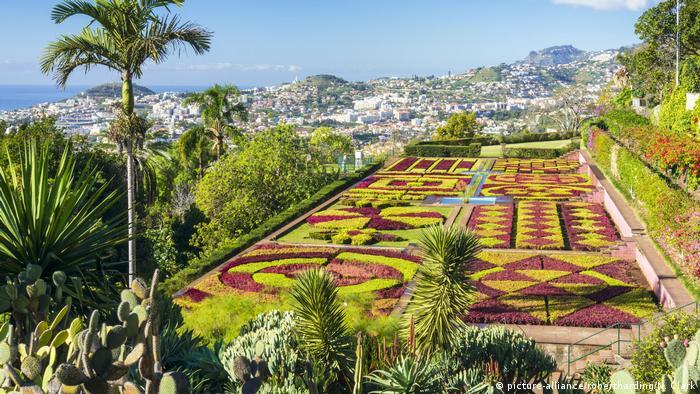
440, 150
673, 116
648, 361
620, 119
518, 358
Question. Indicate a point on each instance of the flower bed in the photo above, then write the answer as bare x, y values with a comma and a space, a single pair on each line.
493, 224
391, 187
586, 290
535, 166
417, 165
537, 186
270, 269
538, 226
588, 226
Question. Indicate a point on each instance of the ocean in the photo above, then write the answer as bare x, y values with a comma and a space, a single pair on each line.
24, 96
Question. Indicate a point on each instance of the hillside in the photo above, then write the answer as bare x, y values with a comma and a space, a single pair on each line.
563, 54
115, 90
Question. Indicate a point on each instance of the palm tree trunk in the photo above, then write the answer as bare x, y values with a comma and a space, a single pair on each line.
220, 146
128, 108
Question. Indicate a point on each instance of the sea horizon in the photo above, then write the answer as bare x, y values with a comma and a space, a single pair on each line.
20, 96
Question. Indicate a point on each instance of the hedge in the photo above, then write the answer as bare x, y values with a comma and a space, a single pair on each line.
471, 150
508, 139
200, 265
620, 119
539, 153
483, 140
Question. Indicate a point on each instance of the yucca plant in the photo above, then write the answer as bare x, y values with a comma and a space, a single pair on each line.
443, 292
320, 323
56, 223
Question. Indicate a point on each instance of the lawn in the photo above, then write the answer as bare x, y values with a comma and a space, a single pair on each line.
495, 150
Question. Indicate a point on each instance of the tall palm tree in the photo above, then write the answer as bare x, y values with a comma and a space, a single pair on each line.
194, 144
219, 106
122, 35
443, 292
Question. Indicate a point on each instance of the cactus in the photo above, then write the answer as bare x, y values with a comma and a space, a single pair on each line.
253, 373
682, 356
359, 365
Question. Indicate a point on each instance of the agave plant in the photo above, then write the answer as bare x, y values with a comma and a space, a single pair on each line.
443, 292
57, 224
409, 375
320, 322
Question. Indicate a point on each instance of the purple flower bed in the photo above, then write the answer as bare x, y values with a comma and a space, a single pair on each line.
365, 183
444, 165
327, 218
507, 275
379, 223
351, 269
544, 289
608, 293
365, 211
436, 215
494, 311
403, 164
620, 270
393, 292
241, 281
530, 263
486, 290
549, 263
424, 164
465, 165
398, 183
196, 295
597, 315
479, 265
577, 235
290, 270
578, 278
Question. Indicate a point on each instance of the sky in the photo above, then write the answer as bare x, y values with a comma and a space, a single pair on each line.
267, 42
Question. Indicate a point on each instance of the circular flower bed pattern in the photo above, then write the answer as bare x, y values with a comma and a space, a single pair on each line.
392, 218
272, 268
584, 290
408, 187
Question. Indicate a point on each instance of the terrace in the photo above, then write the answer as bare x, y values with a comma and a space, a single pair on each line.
554, 255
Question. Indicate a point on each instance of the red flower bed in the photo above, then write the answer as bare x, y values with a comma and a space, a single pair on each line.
424, 164
444, 165
241, 281
196, 295
597, 315
403, 164
588, 226
493, 311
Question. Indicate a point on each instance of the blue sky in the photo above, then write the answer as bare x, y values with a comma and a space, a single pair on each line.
271, 41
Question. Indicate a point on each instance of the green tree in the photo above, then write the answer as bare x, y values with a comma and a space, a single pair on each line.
459, 125
219, 106
443, 293
122, 35
56, 221
329, 145
194, 148
241, 190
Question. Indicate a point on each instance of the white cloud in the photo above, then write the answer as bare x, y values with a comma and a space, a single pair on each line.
632, 5
239, 67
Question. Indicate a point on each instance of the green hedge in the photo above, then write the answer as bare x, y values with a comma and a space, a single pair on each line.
483, 140
201, 265
471, 150
539, 153
538, 137
617, 120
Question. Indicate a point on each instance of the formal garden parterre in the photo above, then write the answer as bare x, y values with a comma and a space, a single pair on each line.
362, 240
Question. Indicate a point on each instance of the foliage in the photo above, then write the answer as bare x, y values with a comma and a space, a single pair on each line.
623, 100
597, 377
219, 106
242, 190
459, 125
194, 151
673, 117
540, 153
407, 375
516, 358
320, 323
437, 150
690, 74
56, 223
648, 361
330, 145
442, 292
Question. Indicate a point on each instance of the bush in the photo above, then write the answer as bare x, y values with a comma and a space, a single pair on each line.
201, 264
620, 119
538, 137
673, 116
435, 150
648, 361
518, 358
539, 153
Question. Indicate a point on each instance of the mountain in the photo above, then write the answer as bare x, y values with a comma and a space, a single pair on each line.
563, 54
114, 90
323, 81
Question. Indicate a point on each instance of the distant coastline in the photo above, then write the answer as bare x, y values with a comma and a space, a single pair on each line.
13, 97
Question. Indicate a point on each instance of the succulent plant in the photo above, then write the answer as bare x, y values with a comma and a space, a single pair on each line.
682, 356
253, 373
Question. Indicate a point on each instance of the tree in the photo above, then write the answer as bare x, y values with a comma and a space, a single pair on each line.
219, 106
443, 293
193, 149
122, 36
55, 221
572, 111
329, 145
320, 323
459, 125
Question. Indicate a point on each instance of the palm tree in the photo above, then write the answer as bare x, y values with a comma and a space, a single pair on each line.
219, 106
195, 143
56, 221
443, 292
122, 35
320, 322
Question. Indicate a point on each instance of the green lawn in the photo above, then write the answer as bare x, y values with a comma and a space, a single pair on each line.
495, 150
